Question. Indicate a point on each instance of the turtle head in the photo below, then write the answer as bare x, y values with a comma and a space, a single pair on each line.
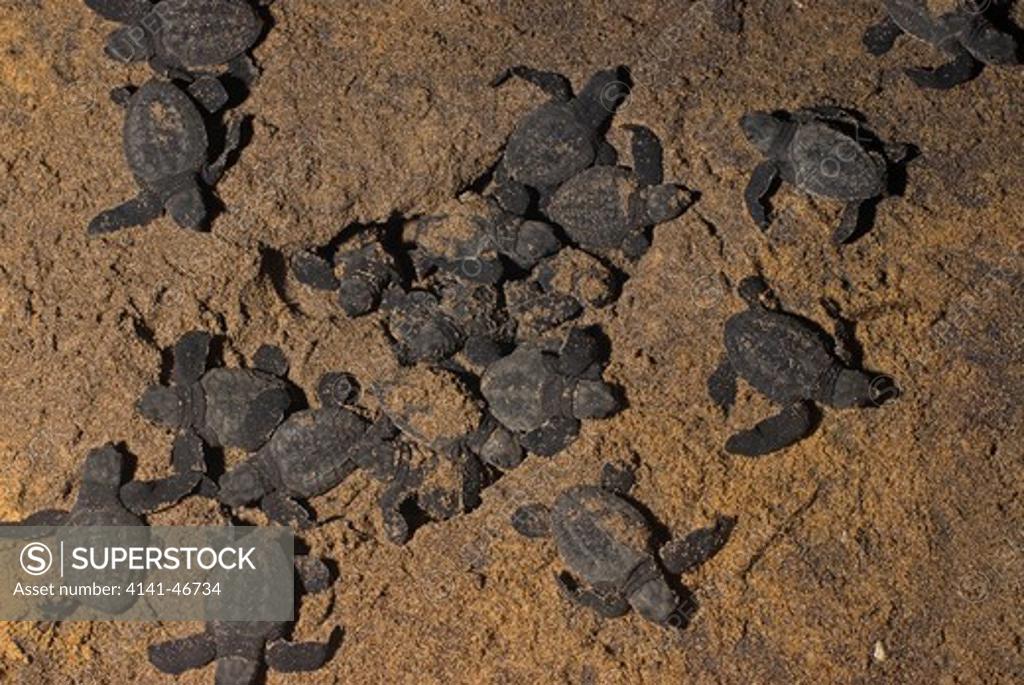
655, 601
763, 130
853, 388
129, 44
594, 400
755, 291
163, 406
989, 44
101, 477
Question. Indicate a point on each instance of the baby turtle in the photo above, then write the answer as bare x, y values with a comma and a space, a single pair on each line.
103, 501
960, 30
434, 323
360, 272
559, 289
433, 407
166, 146
560, 138
823, 151
423, 485
609, 207
540, 396
794, 363
227, 407
243, 649
311, 453
473, 238
187, 39
436, 411
607, 543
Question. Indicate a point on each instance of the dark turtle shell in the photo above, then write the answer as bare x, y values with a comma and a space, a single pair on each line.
596, 207
164, 134
831, 164
548, 146
243, 407
783, 357
917, 19
523, 390
600, 536
309, 452
124, 11
203, 33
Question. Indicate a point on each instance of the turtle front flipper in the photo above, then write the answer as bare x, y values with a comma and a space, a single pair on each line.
722, 386
512, 196
190, 356
138, 211
647, 156
47, 518
760, 186
777, 432
143, 497
554, 84
685, 554
243, 68
961, 69
880, 38
213, 171
184, 654
608, 606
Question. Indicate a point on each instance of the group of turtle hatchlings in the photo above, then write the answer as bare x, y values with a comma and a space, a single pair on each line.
481, 304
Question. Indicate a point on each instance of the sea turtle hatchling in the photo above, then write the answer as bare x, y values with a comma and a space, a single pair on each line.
438, 414
560, 138
187, 39
444, 317
473, 238
167, 148
960, 29
609, 207
794, 363
823, 151
541, 395
559, 289
105, 500
608, 543
310, 453
243, 650
223, 407
359, 271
